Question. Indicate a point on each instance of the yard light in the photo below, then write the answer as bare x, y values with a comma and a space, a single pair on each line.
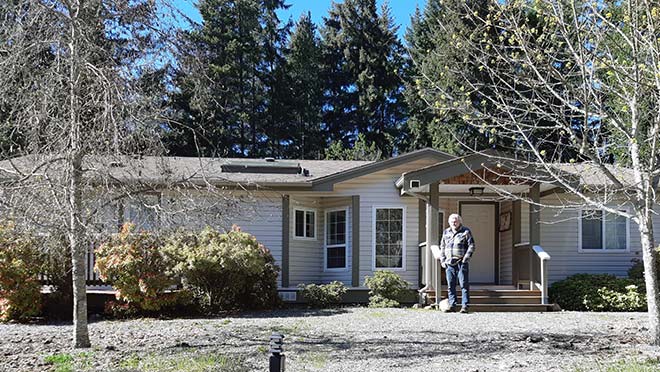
276, 352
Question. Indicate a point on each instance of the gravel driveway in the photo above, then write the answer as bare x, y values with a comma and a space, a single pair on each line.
350, 339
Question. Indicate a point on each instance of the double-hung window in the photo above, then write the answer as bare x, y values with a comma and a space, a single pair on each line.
389, 237
603, 231
335, 239
305, 223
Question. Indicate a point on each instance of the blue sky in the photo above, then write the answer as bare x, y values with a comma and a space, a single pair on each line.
401, 10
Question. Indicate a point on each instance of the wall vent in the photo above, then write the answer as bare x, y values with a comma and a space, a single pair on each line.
288, 296
414, 184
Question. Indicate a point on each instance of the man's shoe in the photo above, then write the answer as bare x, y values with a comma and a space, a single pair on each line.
464, 310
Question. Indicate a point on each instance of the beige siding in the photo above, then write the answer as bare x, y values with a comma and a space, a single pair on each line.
524, 222
559, 237
305, 254
378, 189
506, 247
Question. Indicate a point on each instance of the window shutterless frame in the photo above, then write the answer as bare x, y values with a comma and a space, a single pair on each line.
305, 212
325, 240
403, 237
603, 233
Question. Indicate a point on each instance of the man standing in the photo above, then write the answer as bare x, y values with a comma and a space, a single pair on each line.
456, 248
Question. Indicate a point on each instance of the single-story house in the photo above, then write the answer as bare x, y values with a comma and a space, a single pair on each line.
326, 220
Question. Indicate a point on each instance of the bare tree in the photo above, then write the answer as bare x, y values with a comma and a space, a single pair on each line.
81, 124
571, 89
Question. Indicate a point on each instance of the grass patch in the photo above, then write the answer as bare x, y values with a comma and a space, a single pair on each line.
293, 329
185, 363
628, 365
60, 362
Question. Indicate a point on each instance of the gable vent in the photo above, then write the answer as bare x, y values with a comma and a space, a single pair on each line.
414, 184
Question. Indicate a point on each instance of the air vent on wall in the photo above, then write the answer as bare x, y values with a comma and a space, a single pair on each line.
414, 184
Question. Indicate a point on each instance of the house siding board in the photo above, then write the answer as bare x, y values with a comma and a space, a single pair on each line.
265, 223
559, 237
305, 255
524, 222
344, 276
377, 189
506, 248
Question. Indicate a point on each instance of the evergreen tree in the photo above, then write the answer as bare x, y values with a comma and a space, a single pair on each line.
228, 70
363, 61
360, 150
305, 92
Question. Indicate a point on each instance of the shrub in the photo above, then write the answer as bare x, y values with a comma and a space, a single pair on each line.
135, 265
324, 295
386, 289
225, 271
57, 270
636, 271
20, 265
599, 292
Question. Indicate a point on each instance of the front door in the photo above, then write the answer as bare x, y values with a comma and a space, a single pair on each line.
480, 219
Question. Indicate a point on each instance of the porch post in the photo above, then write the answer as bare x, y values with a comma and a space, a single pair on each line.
534, 226
285, 241
432, 233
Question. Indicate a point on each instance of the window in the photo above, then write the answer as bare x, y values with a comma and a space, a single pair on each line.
389, 238
335, 239
603, 231
305, 223
141, 211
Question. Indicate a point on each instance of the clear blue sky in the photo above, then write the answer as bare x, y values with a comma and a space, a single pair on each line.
401, 10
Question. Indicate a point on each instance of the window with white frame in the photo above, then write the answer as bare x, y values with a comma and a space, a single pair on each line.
305, 223
335, 239
389, 239
603, 231
142, 211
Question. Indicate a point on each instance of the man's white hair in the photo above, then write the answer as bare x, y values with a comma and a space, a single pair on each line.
456, 216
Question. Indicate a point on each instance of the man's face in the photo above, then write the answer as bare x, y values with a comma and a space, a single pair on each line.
454, 223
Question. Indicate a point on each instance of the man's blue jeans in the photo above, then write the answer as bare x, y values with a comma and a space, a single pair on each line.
459, 271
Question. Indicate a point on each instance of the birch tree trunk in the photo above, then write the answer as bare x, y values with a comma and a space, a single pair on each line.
650, 275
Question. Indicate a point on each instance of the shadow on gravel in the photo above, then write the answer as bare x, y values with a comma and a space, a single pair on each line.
291, 313
431, 344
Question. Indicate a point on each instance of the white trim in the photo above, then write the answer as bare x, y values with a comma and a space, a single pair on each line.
602, 249
325, 241
316, 220
403, 207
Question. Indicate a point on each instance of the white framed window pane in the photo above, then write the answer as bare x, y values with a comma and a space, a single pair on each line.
336, 257
300, 223
336, 228
592, 233
615, 231
309, 224
389, 238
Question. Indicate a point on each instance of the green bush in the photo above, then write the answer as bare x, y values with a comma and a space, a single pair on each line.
386, 289
598, 292
225, 271
21, 262
636, 271
324, 295
133, 262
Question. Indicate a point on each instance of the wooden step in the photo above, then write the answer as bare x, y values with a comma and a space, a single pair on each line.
477, 299
513, 308
494, 293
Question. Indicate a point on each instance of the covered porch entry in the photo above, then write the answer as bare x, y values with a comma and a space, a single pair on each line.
508, 271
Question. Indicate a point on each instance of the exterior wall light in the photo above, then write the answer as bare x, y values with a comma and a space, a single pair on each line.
476, 191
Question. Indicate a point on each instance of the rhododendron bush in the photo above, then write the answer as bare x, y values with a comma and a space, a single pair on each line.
20, 264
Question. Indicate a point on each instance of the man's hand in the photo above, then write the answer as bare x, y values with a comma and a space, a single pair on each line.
444, 265
466, 259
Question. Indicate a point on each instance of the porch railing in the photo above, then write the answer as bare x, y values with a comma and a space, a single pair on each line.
532, 265
436, 270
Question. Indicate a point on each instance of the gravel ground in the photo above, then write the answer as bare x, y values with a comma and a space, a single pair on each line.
350, 339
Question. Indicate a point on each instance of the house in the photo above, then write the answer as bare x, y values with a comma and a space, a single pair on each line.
343, 220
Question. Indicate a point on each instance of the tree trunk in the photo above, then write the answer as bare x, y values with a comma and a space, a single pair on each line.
78, 255
650, 276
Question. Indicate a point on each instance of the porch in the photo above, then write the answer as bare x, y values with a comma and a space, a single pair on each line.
509, 271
